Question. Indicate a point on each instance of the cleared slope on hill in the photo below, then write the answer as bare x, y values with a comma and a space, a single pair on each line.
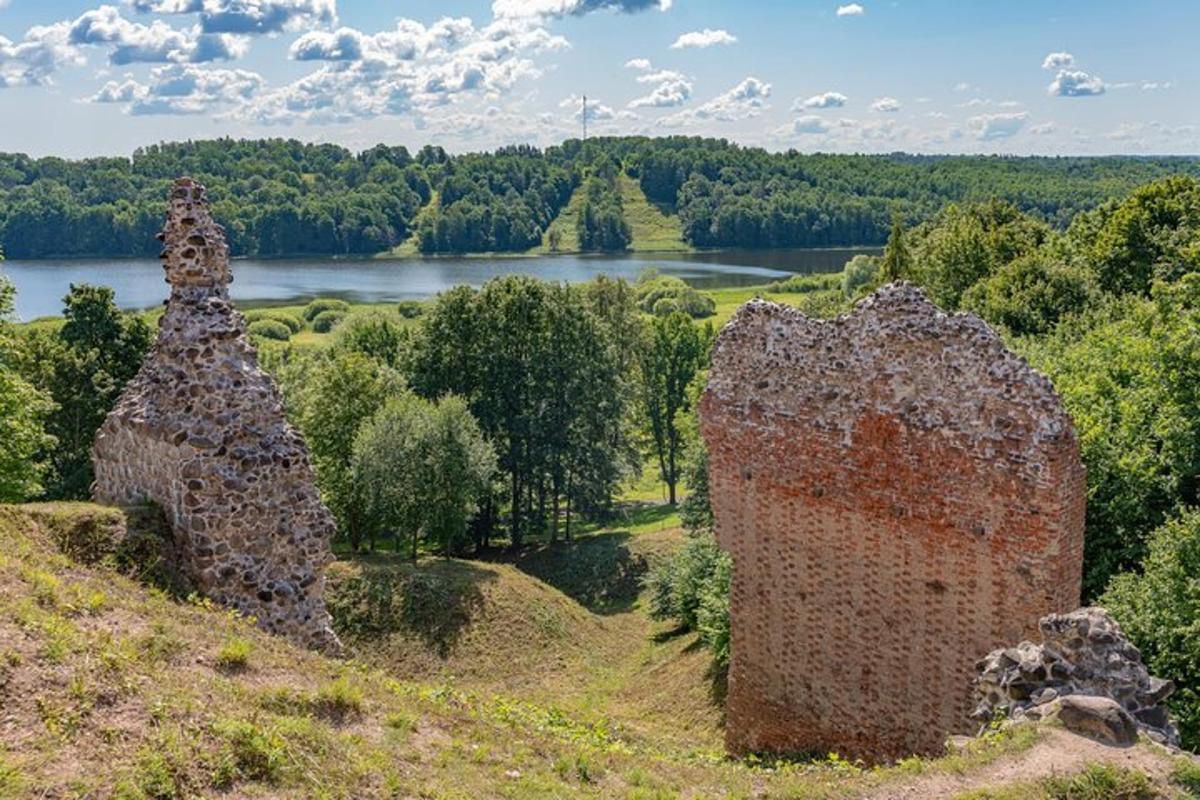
656, 228
109, 688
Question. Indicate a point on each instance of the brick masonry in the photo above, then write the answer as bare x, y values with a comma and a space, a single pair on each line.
901, 495
200, 431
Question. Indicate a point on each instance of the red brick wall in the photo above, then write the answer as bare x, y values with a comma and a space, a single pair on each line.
901, 495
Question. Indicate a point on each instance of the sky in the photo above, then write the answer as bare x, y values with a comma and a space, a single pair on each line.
85, 77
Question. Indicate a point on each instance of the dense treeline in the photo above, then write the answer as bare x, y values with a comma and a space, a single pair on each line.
501, 202
281, 197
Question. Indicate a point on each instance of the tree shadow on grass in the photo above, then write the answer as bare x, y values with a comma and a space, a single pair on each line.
434, 600
599, 572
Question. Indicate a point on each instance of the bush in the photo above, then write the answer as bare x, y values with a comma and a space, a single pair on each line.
1158, 609
860, 272
378, 334
804, 284
293, 322
269, 329
323, 304
410, 309
663, 295
693, 589
327, 320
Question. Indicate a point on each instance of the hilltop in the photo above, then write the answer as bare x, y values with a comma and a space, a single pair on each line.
115, 687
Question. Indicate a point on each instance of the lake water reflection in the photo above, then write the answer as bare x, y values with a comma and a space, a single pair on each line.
139, 284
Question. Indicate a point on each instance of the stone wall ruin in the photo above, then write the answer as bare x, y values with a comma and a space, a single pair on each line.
200, 431
901, 495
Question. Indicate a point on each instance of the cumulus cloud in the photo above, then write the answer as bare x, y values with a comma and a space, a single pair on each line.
809, 124
1075, 83
668, 94
133, 42
638, 63
705, 38
823, 100
745, 100
563, 8
182, 89
246, 16
987, 127
886, 105
1058, 61
34, 60
409, 69
851, 10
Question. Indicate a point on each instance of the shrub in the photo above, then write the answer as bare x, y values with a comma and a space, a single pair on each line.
377, 334
234, 654
663, 295
269, 329
410, 309
860, 272
1158, 610
804, 284
323, 304
327, 320
693, 589
293, 322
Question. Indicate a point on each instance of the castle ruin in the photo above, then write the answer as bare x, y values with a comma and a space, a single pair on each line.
901, 495
200, 431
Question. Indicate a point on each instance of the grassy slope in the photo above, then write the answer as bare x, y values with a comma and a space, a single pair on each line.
655, 229
111, 689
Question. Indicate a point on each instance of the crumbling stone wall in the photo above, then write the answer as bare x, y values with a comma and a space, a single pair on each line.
201, 432
1083, 653
901, 495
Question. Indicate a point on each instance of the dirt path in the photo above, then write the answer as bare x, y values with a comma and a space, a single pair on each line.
1057, 753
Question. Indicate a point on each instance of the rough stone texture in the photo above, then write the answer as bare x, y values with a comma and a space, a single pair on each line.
1098, 717
900, 494
1083, 653
200, 431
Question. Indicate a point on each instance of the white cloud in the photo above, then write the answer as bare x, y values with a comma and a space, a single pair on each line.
1150, 86
668, 94
133, 42
1058, 61
705, 38
963, 86
1043, 128
34, 60
886, 105
987, 127
409, 69
745, 100
182, 89
638, 63
824, 100
1075, 83
810, 124
563, 8
247, 16
851, 10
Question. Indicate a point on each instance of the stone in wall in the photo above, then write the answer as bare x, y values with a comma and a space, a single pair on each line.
1083, 653
901, 494
200, 431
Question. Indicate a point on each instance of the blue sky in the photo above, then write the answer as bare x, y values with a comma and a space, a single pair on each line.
943, 76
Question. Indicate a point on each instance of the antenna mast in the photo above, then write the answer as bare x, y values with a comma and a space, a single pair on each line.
585, 117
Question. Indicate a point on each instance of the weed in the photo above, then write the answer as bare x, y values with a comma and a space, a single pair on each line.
234, 654
1187, 776
338, 700
1102, 782
249, 752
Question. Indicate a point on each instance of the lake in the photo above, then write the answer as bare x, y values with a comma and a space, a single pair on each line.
139, 284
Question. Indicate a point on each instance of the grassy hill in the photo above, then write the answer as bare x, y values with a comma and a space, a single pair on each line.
114, 688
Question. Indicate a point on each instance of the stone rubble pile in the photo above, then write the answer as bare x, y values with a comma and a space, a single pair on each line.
200, 431
1084, 655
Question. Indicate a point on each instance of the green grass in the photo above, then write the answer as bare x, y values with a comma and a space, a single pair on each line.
1097, 782
656, 228
557, 685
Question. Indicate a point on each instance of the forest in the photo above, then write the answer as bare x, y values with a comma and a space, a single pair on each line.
280, 197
